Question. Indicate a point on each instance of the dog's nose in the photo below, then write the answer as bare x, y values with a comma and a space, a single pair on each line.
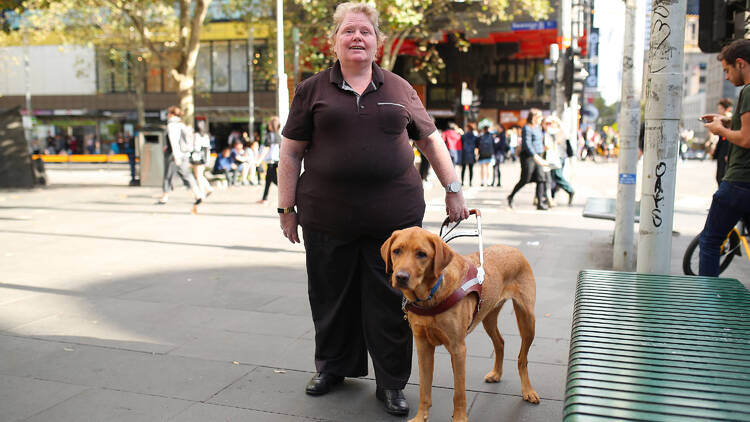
402, 278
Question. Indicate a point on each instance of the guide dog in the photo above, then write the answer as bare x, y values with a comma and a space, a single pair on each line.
431, 275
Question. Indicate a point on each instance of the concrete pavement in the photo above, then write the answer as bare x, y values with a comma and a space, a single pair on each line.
113, 308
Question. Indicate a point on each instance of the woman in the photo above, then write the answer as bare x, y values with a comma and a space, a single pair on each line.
270, 155
485, 148
556, 146
179, 145
352, 124
200, 156
532, 163
469, 144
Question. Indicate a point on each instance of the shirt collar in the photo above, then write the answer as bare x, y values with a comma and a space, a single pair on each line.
337, 78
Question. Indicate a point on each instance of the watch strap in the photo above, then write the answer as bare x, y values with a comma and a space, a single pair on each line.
287, 210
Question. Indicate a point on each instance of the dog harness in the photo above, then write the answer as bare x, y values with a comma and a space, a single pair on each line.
473, 284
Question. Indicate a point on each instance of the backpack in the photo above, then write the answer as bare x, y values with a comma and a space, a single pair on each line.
486, 145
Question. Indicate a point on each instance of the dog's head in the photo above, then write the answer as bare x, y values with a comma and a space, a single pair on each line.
416, 257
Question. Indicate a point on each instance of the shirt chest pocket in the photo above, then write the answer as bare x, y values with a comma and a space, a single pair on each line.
392, 118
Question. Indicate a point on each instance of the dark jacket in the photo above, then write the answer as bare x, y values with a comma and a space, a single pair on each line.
469, 142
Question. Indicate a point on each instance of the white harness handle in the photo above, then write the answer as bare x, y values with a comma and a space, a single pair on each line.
450, 234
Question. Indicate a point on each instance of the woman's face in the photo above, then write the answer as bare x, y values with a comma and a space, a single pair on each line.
355, 41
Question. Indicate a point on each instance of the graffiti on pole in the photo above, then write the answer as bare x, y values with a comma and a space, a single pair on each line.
661, 168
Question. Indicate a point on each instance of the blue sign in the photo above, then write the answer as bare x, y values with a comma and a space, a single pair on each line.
533, 26
627, 178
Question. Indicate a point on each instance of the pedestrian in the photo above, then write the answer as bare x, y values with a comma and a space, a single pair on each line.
270, 155
200, 157
352, 124
469, 144
532, 163
721, 148
453, 141
178, 147
500, 148
556, 153
512, 138
485, 151
732, 200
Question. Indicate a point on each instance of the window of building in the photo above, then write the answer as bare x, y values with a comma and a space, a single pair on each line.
220, 66
238, 66
203, 69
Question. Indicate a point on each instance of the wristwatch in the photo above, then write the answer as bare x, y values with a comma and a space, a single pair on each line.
287, 210
453, 187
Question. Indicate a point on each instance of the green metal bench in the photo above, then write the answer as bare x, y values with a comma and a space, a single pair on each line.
658, 348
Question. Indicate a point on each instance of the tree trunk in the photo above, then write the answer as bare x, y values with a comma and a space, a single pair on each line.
139, 75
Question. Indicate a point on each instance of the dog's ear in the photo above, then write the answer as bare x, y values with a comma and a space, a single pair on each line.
385, 251
443, 255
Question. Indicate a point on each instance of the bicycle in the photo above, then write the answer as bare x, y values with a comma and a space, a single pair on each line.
737, 237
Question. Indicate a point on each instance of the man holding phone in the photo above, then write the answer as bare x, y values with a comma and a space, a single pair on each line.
732, 201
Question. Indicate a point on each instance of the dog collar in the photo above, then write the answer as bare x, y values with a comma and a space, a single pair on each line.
472, 284
433, 289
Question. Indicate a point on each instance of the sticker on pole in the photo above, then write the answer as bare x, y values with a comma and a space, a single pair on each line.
627, 178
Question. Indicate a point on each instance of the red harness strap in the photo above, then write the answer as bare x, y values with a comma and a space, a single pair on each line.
470, 285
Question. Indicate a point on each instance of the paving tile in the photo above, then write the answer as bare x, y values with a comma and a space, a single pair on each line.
112, 406
202, 412
251, 349
267, 391
22, 397
502, 408
168, 376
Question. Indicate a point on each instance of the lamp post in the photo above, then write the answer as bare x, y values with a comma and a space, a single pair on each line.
282, 90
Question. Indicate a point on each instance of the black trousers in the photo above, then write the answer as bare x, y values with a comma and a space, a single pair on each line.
531, 172
355, 310
270, 178
464, 166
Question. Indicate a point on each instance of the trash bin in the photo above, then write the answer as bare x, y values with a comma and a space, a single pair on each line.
151, 148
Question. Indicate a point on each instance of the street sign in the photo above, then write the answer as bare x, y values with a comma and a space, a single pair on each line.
466, 96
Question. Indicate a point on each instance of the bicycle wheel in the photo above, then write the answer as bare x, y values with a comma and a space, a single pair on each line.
726, 254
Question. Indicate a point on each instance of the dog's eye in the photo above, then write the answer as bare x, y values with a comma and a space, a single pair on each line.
396, 251
421, 254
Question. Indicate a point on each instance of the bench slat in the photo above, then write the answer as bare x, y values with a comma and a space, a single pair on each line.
658, 348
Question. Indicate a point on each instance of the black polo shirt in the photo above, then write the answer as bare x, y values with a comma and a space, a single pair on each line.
359, 173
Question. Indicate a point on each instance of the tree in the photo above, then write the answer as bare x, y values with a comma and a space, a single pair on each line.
144, 30
181, 37
414, 20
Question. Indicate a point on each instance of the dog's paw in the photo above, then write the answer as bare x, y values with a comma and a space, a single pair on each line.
493, 376
531, 396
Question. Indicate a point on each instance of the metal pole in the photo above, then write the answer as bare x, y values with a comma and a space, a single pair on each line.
629, 123
28, 124
295, 40
283, 91
663, 104
563, 32
250, 82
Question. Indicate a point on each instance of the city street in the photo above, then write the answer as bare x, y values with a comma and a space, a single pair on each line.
113, 308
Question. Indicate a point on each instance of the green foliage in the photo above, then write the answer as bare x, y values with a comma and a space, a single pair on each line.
415, 20
607, 113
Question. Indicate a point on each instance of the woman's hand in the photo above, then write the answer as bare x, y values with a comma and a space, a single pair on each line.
289, 226
455, 206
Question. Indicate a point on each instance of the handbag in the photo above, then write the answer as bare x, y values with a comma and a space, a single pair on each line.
196, 157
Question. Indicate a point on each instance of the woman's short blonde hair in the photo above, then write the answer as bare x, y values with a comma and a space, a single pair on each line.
344, 9
274, 123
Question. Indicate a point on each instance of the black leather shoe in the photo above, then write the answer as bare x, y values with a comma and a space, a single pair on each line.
395, 402
510, 201
321, 383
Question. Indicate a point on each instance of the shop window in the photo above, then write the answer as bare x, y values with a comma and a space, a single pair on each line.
238, 66
203, 69
220, 66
